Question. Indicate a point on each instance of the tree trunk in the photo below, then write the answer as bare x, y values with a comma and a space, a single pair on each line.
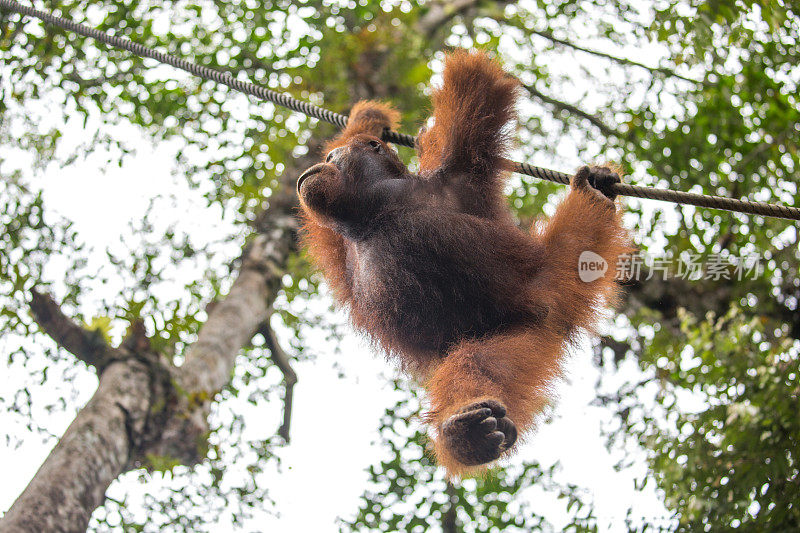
93, 452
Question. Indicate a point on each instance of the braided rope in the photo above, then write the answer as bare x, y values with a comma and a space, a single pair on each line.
311, 110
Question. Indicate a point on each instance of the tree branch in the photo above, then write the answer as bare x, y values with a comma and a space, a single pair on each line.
87, 345
604, 128
235, 319
89, 83
786, 134
622, 60
441, 12
620, 348
450, 515
281, 360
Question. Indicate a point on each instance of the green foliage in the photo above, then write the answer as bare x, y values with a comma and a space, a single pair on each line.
161, 463
30, 239
724, 439
102, 326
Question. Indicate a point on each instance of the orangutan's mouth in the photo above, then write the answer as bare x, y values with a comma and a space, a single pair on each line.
310, 172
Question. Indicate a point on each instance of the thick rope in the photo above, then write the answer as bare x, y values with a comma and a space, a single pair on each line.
311, 110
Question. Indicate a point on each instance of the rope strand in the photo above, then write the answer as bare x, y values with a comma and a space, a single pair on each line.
339, 120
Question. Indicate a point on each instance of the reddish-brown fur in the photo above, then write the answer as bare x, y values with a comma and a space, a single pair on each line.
432, 266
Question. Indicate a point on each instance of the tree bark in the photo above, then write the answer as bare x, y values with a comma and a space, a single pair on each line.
93, 452
88, 346
210, 360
